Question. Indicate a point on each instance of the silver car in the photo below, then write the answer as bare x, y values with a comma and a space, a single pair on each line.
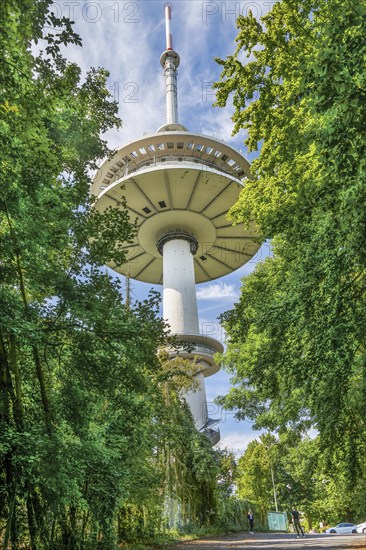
343, 528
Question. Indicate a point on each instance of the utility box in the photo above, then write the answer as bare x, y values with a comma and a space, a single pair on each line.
277, 521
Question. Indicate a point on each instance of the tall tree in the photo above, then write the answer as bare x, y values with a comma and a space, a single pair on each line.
297, 342
254, 478
94, 434
77, 402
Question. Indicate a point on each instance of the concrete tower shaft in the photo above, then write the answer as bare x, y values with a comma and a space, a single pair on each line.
180, 308
179, 294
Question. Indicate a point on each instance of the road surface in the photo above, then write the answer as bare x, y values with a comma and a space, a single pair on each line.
270, 541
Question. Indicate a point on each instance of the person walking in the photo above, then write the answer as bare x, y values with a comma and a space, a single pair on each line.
296, 521
251, 521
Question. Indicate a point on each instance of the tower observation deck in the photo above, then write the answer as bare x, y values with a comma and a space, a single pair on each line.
179, 187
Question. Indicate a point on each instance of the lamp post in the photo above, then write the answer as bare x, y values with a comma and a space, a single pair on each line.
274, 487
267, 447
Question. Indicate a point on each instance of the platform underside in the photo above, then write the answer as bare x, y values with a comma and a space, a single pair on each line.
181, 196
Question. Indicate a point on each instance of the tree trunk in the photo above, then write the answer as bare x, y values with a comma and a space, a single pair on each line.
36, 357
6, 423
31, 524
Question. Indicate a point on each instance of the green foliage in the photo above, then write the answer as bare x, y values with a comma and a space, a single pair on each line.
297, 344
303, 478
77, 367
254, 477
97, 446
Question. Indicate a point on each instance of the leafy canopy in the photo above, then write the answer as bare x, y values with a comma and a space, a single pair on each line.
296, 338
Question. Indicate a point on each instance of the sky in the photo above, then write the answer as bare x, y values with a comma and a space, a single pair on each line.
127, 38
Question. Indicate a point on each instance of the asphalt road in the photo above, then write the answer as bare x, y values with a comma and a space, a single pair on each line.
270, 541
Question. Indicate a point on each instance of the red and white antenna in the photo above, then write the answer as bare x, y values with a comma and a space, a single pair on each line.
168, 24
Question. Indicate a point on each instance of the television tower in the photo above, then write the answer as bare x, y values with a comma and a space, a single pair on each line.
179, 186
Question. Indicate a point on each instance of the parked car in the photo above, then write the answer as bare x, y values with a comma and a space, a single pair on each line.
343, 528
361, 527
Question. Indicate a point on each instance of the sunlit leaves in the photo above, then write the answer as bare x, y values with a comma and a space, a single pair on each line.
297, 344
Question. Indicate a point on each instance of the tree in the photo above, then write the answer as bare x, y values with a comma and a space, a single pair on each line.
254, 478
297, 342
95, 436
76, 365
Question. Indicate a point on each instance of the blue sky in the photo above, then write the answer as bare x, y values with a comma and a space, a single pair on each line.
127, 38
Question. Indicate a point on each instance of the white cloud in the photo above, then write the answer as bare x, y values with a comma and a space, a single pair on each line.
216, 291
237, 441
312, 433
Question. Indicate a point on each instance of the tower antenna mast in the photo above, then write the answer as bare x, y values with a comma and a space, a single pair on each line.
170, 60
168, 30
